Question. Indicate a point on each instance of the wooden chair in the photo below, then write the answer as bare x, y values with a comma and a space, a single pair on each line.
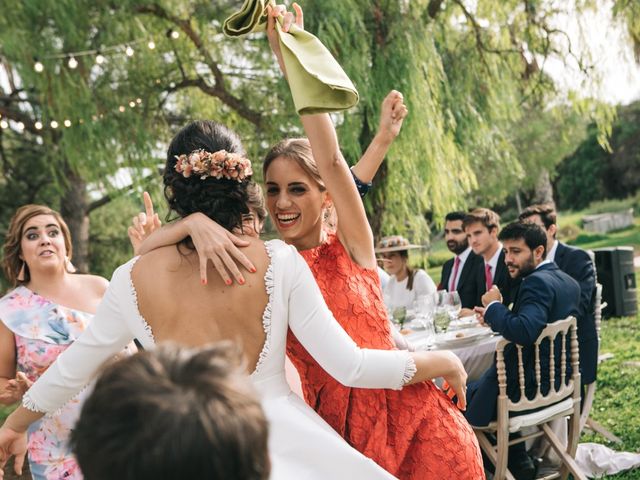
564, 402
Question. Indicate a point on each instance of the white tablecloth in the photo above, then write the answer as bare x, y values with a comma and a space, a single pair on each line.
476, 356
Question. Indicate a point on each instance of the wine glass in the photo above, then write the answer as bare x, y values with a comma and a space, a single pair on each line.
454, 305
399, 316
441, 316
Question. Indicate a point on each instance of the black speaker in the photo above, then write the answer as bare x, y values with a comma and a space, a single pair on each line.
614, 266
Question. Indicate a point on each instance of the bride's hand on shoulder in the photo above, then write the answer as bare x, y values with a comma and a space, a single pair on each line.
217, 245
288, 19
14, 444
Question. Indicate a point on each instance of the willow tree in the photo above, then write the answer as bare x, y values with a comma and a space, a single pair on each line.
467, 75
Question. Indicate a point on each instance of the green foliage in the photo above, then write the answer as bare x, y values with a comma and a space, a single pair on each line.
591, 173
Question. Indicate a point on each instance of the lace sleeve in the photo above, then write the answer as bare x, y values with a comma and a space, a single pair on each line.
314, 326
107, 334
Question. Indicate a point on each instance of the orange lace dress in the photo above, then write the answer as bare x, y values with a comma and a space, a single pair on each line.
414, 433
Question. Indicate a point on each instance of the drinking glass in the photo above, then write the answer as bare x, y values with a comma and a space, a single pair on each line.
399, 316
453, 305
441, 316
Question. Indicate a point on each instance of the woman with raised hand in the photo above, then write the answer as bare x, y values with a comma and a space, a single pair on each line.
159, 297
49, 307
415, 433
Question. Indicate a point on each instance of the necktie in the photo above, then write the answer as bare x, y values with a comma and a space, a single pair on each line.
456, 267
488, 278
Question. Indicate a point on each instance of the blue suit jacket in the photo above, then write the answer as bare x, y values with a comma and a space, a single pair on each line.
578, 265
545, 295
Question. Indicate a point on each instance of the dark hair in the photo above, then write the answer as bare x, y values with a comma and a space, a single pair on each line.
532, 234
411, 273
486, 217
546, 211
11, 262
454, 216
173, 413
222, 200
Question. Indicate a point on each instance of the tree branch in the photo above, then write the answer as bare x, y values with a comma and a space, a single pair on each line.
219, 90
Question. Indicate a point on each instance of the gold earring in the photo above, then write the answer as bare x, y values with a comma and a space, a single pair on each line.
69, 266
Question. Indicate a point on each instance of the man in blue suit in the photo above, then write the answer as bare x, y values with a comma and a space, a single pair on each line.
578, 265
546, 294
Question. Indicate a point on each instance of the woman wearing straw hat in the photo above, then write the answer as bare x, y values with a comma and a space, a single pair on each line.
406, 284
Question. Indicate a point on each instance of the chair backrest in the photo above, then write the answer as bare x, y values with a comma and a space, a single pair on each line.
568, 386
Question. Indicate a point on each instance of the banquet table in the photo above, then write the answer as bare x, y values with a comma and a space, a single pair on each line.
476, 355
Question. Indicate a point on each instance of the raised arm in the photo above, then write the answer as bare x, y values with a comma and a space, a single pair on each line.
315, 327
392, 114
353, 228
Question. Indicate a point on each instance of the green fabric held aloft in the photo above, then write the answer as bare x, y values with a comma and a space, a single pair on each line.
317, 81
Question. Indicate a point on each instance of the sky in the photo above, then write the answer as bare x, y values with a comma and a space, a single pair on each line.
612, 57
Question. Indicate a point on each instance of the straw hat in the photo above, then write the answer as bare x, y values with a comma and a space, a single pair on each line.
394, 243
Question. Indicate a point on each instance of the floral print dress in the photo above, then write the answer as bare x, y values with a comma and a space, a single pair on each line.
43, 330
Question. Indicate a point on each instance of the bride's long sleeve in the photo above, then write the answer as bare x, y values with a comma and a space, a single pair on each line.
315, 327
106, 335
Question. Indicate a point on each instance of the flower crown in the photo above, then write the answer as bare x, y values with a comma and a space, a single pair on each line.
220, 164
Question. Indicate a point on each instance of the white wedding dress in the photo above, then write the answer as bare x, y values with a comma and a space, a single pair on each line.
301, 444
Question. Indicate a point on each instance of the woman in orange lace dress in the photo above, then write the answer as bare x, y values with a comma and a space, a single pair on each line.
415, 433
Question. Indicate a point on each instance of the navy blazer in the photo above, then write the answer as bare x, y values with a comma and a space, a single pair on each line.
545, 295
578, 265
467, 283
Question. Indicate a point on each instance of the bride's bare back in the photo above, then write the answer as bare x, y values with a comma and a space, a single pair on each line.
180, 309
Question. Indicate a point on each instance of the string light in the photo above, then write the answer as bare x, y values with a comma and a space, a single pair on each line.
4, 124
132, 104
54, 124
129, 51
100, 59
151, 44
38, 67
73, 63
38, 125
171, 33
121, 109
138, 101
67, 123
20, 126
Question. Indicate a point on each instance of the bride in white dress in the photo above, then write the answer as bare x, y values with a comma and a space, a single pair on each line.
159, 297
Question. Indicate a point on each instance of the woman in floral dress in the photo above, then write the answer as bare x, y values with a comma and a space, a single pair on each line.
45, 312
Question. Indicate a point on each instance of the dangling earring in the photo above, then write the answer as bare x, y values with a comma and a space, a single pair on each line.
21, 273
68, 265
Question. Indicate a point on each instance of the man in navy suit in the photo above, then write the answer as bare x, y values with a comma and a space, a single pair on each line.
578, 265
461, 272
482, 227
546, 294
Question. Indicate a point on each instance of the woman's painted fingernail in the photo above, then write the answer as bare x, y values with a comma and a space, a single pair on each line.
228, 282
253, 270
203, 281
241, 281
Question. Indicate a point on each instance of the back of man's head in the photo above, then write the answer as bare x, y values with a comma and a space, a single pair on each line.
532, 234
173, 413
545, 211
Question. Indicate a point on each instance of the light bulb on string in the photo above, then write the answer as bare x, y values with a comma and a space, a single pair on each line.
4, 124
73, 63
67, 123
38, 66
121, 109
54, 124
20, 126
138, 101
129, 51
171, 33
151, 44
100, 59
38, 125
132, 104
